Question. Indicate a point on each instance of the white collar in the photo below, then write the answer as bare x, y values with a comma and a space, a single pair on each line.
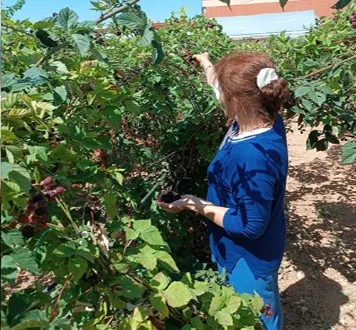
250, 133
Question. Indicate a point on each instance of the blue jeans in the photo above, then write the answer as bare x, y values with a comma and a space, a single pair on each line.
243, 281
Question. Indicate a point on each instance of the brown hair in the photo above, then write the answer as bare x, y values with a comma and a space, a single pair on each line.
237, 77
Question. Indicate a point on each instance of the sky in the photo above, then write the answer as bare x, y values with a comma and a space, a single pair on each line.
156, 10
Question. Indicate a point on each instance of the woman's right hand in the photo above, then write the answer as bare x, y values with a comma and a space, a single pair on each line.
203, 59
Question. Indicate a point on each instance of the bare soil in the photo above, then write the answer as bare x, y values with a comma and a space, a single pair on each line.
318, 274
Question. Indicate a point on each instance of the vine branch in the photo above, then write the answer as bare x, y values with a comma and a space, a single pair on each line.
113, 12
329, 67
18, 30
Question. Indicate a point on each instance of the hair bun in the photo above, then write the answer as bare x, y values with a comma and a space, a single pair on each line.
275, 94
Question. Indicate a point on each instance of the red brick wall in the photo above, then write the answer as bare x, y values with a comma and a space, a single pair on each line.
321, 8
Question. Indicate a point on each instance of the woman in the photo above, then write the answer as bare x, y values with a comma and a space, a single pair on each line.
247, 179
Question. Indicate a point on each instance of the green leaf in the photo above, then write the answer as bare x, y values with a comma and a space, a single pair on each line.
18, 175
65, 250
348, 155
167, 260
301, 91
232, 304
43, 25
37, 154
60, 67
12, 238
32, 319
7, 80
197, 323
147, 36
332, 138
130, 289
149, 261
152, 236
226, 1
255, 302
45, 38
110, 204
113, 116
178, 294
283, 3
160, 281
60, 94
35, 76
200, 287
159, 304
148, 233
21, 177
122, 268
341, 4
67, 18
90, 253
9, 155
131, 21
8, 268
312, 139
157, 53
82, 43
8, 136
25, 259
6, 168
63, 153
21, 85
141, 225
216, 304
130, 233
322, 145
118, 176
78, 266
132, 106
224, 318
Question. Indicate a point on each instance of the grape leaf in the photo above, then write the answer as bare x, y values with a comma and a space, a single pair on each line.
224, 318
78, 266
178, 294
349, 153
67, 18
25, 259
159, 304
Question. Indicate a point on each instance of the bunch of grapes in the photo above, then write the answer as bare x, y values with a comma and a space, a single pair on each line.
36, 212
352, 20
168, 197
267, 310
188, 57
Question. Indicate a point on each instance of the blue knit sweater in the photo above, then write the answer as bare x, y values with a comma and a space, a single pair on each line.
248, 176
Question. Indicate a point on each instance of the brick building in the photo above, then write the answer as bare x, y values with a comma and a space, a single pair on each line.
216, 8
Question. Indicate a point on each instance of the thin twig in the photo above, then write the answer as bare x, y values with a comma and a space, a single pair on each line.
113, 12
18, 30
328, 67
56, 308
127, 245
163, 158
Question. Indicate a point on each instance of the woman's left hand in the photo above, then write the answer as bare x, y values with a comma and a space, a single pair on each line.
179, 205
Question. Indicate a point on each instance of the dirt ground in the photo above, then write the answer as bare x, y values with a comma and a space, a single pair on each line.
318, 273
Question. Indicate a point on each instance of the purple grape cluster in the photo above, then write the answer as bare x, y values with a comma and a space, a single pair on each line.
352, 20
36, 209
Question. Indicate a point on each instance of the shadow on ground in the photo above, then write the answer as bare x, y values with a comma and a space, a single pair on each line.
319, 242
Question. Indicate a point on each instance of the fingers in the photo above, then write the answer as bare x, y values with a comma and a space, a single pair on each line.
201, 58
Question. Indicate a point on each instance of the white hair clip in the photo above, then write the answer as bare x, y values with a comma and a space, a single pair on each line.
265, 76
